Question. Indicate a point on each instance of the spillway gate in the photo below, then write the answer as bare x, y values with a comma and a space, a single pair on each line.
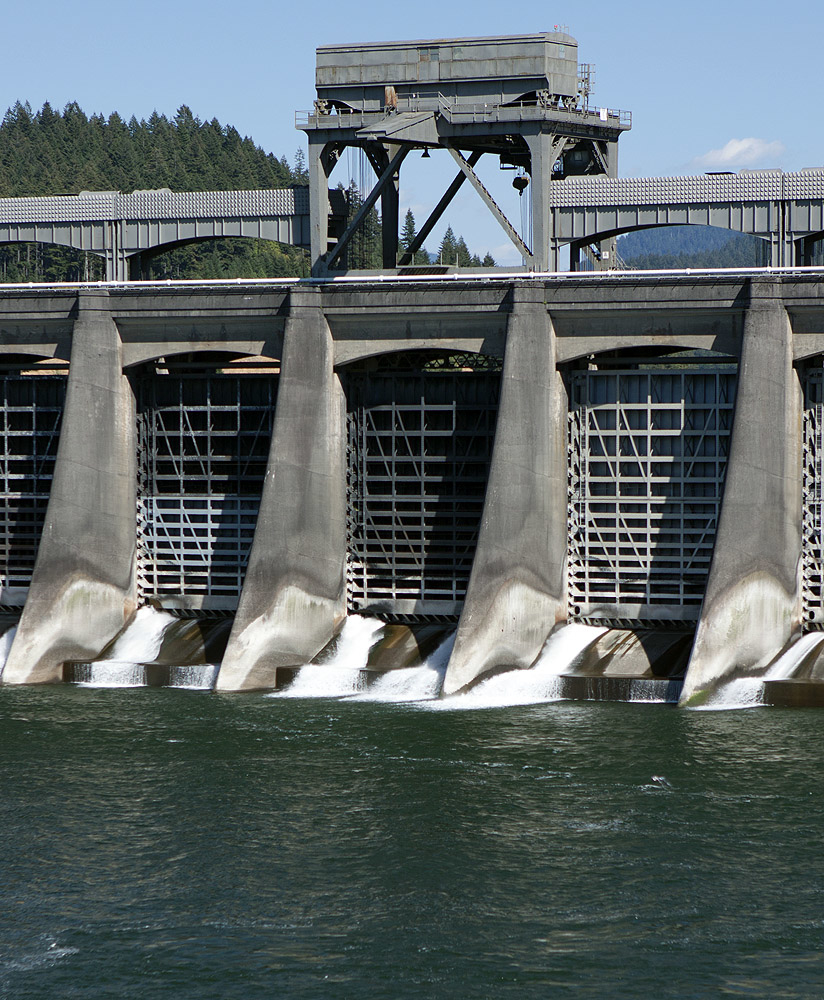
648, 451
812, 549
420, 433
203, 445
31, 410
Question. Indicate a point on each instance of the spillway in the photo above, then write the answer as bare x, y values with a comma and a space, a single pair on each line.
498, 458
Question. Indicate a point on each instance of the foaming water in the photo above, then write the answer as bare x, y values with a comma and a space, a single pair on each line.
140, 643
342, 675
5, 646
540, 683
786, 665
193, 677
421, 683
748, 692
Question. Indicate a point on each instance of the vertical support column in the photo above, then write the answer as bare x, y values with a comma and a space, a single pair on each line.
83, 586
294, 593
752, 603
517, 590
543, 154
319, 169
390, 212
608, 247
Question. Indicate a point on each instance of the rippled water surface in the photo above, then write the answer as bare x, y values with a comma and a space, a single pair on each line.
189, 845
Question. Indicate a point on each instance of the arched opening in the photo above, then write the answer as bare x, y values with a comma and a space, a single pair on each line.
648, 444
811, 251
204, 424
420, 433
671, 247
234, 257
48, 262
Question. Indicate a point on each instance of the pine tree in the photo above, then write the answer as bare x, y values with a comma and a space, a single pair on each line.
299, 171
407, 238
462, 253
364, 251
448, 250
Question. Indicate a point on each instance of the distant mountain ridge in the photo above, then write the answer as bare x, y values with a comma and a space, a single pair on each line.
691, 246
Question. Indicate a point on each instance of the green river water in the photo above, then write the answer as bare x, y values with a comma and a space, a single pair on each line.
160, 843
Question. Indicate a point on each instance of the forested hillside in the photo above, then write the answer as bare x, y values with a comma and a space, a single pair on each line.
54, 152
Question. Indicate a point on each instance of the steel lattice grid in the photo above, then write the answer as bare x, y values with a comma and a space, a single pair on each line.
203, 446
812, 550
647, 458
31, 411
420, 444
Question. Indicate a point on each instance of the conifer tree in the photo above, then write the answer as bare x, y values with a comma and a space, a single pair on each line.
448, 250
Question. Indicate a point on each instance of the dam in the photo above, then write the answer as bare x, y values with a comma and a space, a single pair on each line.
497, 455
617, 471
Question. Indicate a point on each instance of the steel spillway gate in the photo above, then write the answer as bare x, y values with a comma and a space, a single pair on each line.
648, 453
420, 437
203, 440
31, 410
812, 549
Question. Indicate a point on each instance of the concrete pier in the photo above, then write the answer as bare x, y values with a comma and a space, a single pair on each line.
293, 597
752, 603
516, 591
83, 588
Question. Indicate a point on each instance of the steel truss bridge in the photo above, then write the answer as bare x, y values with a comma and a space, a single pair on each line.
786, 210
122, 228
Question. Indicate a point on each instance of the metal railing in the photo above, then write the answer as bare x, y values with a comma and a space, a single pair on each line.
465, 113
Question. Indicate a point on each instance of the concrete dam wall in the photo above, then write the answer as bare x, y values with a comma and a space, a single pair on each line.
498, 457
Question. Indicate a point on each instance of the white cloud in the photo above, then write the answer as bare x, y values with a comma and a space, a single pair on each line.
741, 153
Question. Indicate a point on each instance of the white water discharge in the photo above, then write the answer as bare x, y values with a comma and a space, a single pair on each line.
193, 677
342, 675
5, 646
748, 692
422, 683
540, 683
139, 644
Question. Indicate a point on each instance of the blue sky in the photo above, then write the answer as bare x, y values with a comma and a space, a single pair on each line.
724, 85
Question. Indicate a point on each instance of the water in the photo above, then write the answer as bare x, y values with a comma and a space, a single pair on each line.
174, 844
541, 683
140, 643
748, 692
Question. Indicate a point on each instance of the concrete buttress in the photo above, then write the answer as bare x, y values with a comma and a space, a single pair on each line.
516, 592
752, 602
83, 585
294, 593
